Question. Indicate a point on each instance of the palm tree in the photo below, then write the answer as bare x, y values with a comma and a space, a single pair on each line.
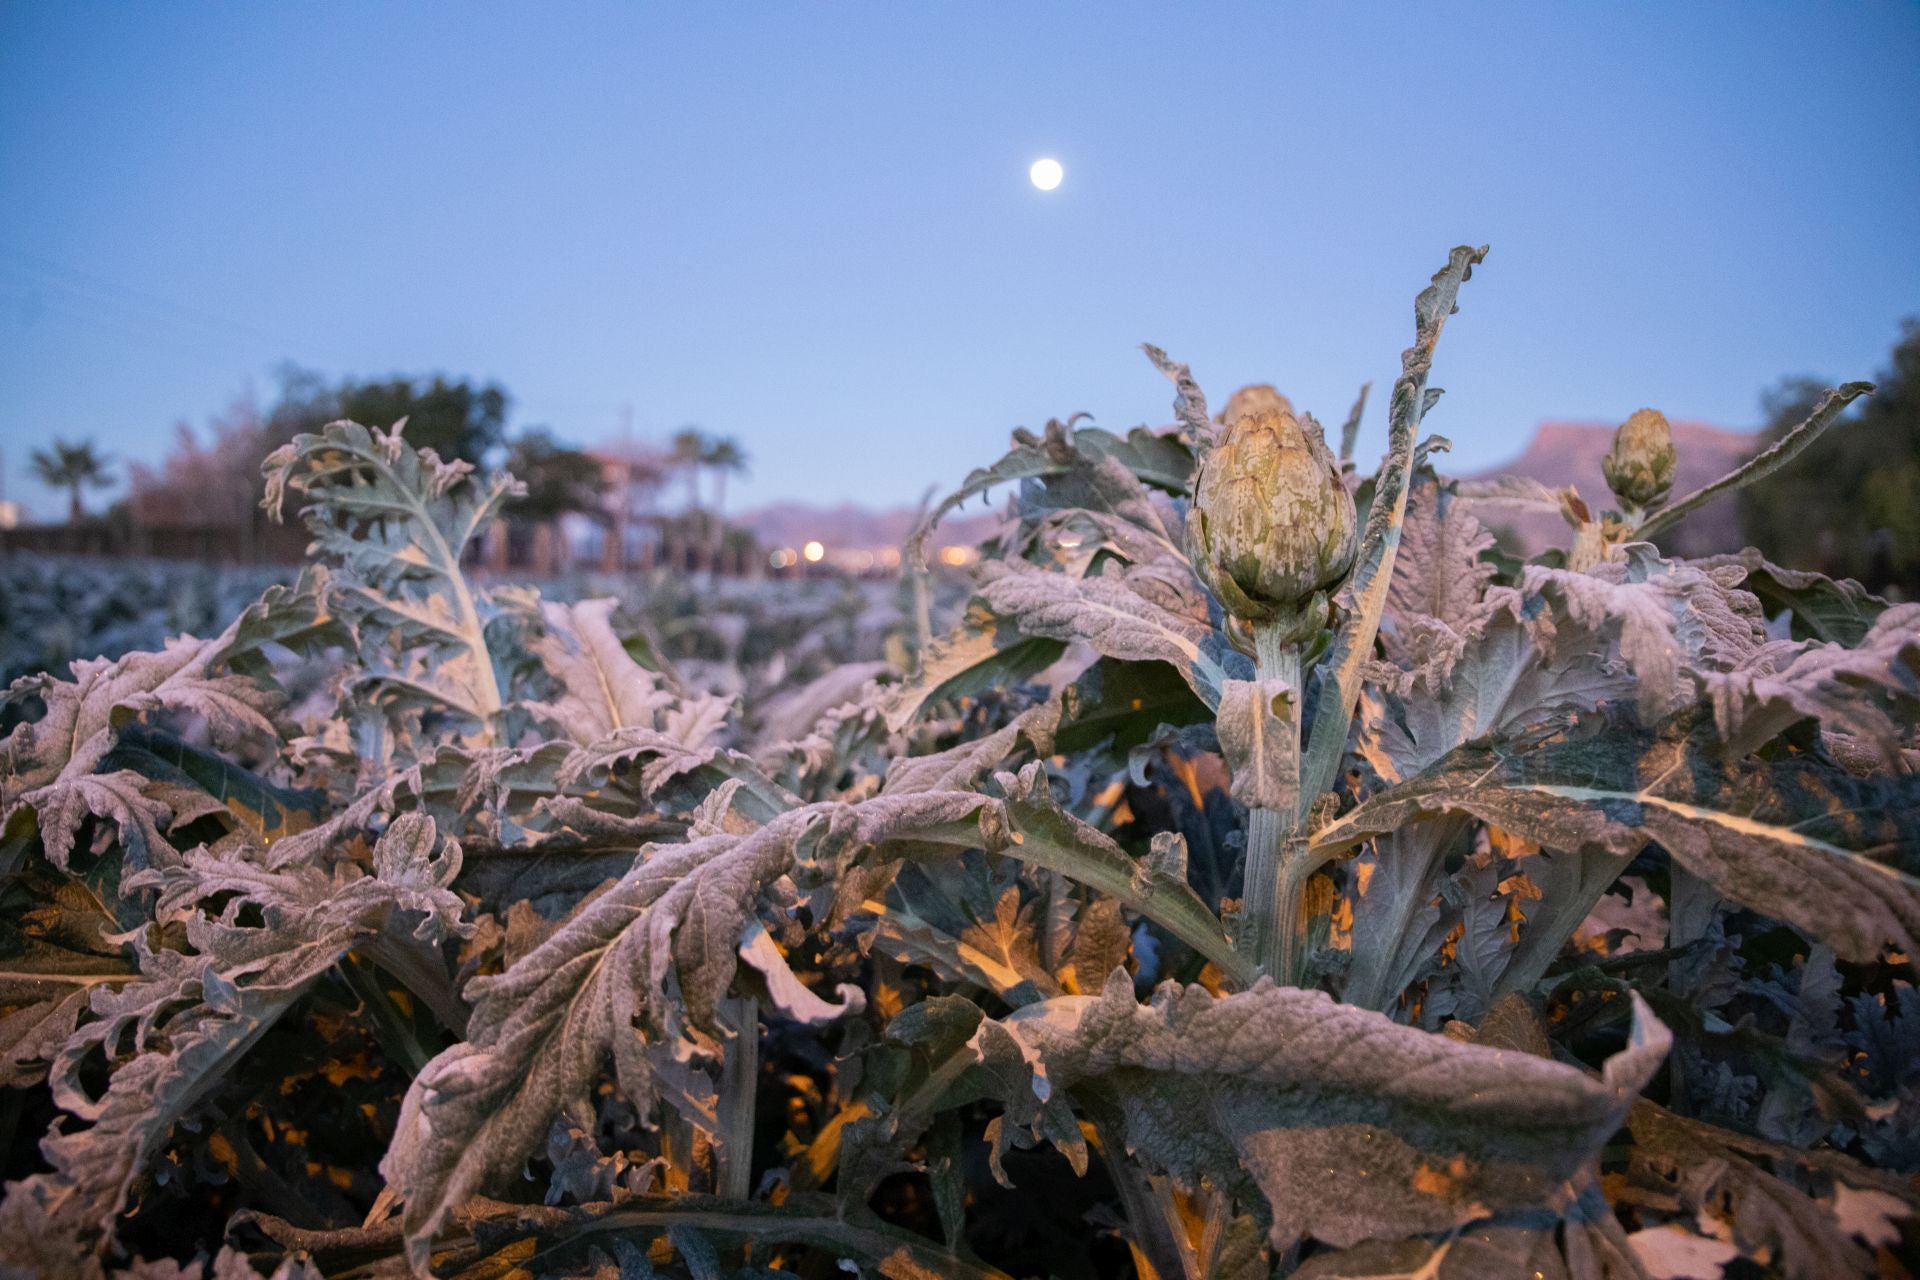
689, 450
72, 467
724, 455
690, 454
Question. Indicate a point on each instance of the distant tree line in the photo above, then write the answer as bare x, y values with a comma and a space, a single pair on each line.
456, 418
1849, 506
212, 477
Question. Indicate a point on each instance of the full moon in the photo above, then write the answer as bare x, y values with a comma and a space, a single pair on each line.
1046, 174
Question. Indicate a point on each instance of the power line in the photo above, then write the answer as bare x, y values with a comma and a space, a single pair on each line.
74, 279
66, 308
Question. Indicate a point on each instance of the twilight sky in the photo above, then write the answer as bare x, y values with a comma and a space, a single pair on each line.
810, 226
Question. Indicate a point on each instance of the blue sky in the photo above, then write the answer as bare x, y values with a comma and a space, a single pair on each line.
809, 226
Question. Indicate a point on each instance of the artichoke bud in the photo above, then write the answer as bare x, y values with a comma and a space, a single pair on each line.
1273, 530
1254, 398
1639, 467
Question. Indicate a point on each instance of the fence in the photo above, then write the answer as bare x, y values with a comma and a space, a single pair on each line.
510, 546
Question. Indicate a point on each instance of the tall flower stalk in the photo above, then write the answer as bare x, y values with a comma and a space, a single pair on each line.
1272, 534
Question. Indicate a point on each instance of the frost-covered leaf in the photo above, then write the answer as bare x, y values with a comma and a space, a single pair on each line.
788, 993
1771, 1217
920, 924
1501, 679
1041, 834
1096, 502
1800, 840
1631, 917
793, 714
1114, 621
961, 767
1584, 1244
681, 736
1850, 690
293, 617
1438, 572
258, 939
1762, 464
1870, 1214
1259, 733
985, 653
52, 957
1189, 402
48, 766
602, 689
1158, 460
1124, 706
638, 975
1672, 1252
392, 522
1822, 608
1363, 598
1669, 619
1101, 939
179, 1057
245, 799
124, 798
1352, 1126
1523, 494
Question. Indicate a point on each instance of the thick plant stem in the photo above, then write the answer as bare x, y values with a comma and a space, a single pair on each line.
1297, 865
739, 1090
1270, 899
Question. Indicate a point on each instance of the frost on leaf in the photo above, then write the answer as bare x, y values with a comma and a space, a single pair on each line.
1771, 1217
1157, 460
1672, 1252
960, 768
1801, 840
1584, 1241
257, 940
601, 687
1852, 690
1499, 679
1816, 607
1666, 618
1352, 1126
1438, 573
49, 766
1258, 723
619, 716
1114, 620
392, 522
639, 975
747, 923
985, 653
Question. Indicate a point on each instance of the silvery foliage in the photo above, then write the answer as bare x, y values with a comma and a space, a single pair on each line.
578, 892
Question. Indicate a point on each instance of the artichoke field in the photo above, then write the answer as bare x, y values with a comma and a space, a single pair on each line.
1263, 874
